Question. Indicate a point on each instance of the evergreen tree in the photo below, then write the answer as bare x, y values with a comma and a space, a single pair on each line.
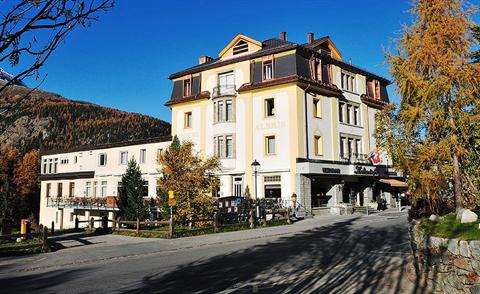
132, 205
429, 134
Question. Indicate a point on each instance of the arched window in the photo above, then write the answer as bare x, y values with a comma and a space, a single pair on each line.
240, 47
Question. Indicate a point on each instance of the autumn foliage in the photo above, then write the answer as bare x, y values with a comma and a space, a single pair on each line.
191, 177
430, 132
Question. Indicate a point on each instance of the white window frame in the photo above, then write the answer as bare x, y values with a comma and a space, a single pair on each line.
143, 156
100, 159
121, 158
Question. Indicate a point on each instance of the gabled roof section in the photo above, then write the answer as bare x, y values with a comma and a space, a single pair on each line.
322, 42
253, 45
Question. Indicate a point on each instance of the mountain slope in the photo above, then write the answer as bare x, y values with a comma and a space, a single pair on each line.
33, 119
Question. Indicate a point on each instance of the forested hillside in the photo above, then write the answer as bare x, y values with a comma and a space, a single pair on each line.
37, 119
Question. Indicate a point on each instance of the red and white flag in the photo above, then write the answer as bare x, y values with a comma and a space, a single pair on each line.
375, 157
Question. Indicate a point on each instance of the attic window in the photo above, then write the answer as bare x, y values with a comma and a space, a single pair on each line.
240, 47
187, 87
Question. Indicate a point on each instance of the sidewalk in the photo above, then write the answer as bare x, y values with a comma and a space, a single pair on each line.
93, 249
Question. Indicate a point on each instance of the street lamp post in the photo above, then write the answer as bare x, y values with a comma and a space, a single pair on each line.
256, 167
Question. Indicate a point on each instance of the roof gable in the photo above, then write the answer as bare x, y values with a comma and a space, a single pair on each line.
253, 45
325, 41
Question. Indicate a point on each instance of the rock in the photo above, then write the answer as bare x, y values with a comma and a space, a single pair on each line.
438, 242
464, 249
459, 213
462, 263
434, 218
475, 249
475, 289
453, 246
468, 216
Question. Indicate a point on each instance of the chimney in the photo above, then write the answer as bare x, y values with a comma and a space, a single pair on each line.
310, 37
283, 36
204, 59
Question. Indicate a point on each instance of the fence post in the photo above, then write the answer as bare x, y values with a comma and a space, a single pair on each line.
76, 223
251, 219
53, 227
119, 224
215, 222
92, 223
172, 227
105, 222
289, 221
138, 225
366, 208
45, 247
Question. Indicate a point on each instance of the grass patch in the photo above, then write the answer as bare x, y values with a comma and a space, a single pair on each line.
184, 231
9, 248
451, 228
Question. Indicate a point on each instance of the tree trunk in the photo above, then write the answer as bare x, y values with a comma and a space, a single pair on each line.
457, 183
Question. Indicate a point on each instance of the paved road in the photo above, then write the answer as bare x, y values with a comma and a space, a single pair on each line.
329, 254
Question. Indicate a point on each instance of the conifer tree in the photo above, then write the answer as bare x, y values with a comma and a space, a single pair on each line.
132, 205
428, 134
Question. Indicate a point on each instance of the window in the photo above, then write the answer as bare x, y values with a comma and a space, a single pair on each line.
356, 115
240, 47
187, 87
49, 190
350, 147
75, 159
103, 189
55, 165
59, 189
272, 186
45, 164
348, 82
228, 110
187, 120
349, 113
102, 159
269, 107
145, 189
316, 69
226, 83
159, 151
123, 157
143, 155
270, 145
71, 189
317, 108
229, 151
220, 111
88, 189
318, 145
267, 70
220, 147
95, 189
119, 188
63, 161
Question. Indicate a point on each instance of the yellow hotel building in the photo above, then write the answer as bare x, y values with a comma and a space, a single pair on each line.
299, 110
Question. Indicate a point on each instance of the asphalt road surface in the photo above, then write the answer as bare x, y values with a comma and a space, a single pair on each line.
341, 254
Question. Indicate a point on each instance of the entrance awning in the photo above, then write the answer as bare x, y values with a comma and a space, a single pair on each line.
394, 183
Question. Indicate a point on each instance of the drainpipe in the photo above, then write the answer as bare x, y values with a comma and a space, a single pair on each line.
306, 123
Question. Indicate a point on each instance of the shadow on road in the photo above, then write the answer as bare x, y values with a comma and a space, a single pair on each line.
330, 259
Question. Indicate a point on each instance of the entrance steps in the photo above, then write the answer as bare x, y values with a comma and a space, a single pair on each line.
363, 210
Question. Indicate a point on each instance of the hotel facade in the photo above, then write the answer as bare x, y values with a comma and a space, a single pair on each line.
298, 109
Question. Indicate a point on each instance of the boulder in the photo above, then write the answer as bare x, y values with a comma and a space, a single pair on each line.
434, 218
468, 216
459, 213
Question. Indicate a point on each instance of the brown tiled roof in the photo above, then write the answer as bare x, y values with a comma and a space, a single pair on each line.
201, 95
372, 102
303, 81
106, 146
271, 46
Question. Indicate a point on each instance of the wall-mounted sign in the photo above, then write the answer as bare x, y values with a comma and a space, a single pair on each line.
329, 170
271, 125
364, 171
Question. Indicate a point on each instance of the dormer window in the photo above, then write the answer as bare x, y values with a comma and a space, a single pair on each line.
240, 47
267, 70
316, 69
187, 87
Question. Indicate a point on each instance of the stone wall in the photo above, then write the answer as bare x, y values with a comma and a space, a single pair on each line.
446, 265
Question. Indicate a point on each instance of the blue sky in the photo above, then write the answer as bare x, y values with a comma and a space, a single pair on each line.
123, 60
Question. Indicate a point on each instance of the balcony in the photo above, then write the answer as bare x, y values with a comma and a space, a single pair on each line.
97, 203
355, 158
224, 90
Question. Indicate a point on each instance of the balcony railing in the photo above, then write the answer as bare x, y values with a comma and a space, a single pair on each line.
97, 203
355, 157
224, 90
